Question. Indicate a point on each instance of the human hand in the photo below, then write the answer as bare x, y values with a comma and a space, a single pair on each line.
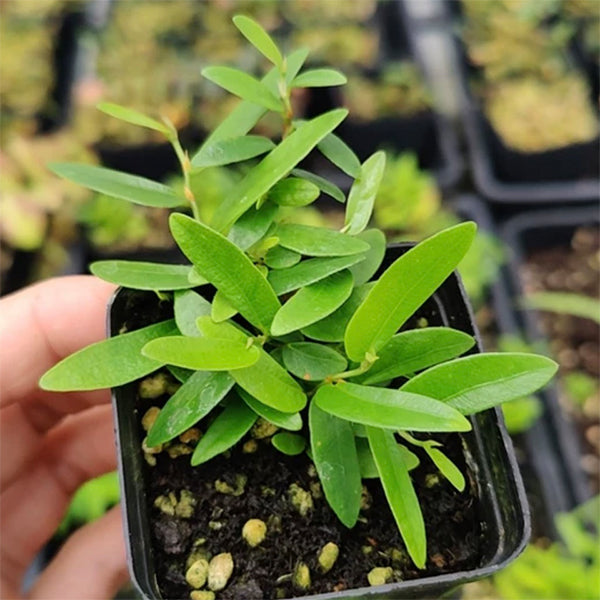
51, 443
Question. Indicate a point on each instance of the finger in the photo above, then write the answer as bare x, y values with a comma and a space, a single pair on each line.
44, 323
78, 449
90, 565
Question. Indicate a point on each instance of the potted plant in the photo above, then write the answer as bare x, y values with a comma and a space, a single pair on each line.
275, 363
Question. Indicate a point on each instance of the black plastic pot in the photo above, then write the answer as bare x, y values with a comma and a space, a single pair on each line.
523, 234
503, 175
503, 508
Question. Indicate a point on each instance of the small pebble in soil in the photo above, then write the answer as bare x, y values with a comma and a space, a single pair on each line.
151, 449
250, 447
263, 429
197, 574
191, 436
327, 557
153, 387
235, 489
254, 532
202, 595
177, 449
219, 571
380, 575
150, 417
301, 577
300, 499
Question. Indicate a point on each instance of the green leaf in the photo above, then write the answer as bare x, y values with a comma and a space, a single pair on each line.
108, 363
225, 431
182, 375
228, 268
281, 258
260, 39
201, 353
475, 383
387, 408
565, 303
294, 191
340, 154
332, 328
411, 460
411, 351
312, 303
295, 61
143, 275
252, 225
271, 384
319, 78
309, 271
364, 270
405, 286
221, 308
191, 402
400, 493
323, 184
336, 461
447, 468
363, 192
119, 185
368, 468
133, 116
312, 362
196, 278
275, 166
291, 421
188, 306
233, 150
221, 331
243, 85
317, 241
289, 443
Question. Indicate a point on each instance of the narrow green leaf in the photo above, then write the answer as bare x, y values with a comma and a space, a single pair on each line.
475, 383
295, 61
196, 278
336, 461
188, 306
275, 166
316, 241
323, 184
447, 468
319, 78
228, 268
271, 384
108, 363
390, 409
260, 39
363, 192
201, 353
143, 275
312, 362
313, 303
289, 443
234, 150
364, 270
411, 351
368, 468
565, 303
332, 328
119, 185
244, 86
182, 375
133, 116
309, 271
225, 431
405, 286
290, 421
411, 460
400, 493
191, 402
221, 331
252, 225
221, 308
340, 154
294, 191
281, 258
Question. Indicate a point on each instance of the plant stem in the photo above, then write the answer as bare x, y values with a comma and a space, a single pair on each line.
365, 365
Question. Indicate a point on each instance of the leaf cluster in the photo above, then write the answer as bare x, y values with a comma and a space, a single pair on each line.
286, 322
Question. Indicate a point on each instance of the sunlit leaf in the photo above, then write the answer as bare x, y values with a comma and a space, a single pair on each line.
368, 468
323, 184
317, 241
132, 116
221, 308
340, 154
312, 362
188, 306
259, 38
364, 270
289, 443
143, 275
448, 469
281, 258
252, 225
319, 78
233, 150
405, 286
290, 421
294, 191
336, 461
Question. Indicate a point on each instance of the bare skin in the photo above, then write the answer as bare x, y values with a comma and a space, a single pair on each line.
51, 443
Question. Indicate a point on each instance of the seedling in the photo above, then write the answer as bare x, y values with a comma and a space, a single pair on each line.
298, 331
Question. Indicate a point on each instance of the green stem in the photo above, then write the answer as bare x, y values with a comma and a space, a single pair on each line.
186, 168
414, 441
365, 365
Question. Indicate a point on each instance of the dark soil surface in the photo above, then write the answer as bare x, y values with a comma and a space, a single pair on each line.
574, 341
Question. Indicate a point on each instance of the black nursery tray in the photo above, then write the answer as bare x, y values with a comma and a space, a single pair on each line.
503, 512
523, 234
505, 176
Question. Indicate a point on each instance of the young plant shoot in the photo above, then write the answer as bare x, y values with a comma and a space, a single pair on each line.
292, 323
